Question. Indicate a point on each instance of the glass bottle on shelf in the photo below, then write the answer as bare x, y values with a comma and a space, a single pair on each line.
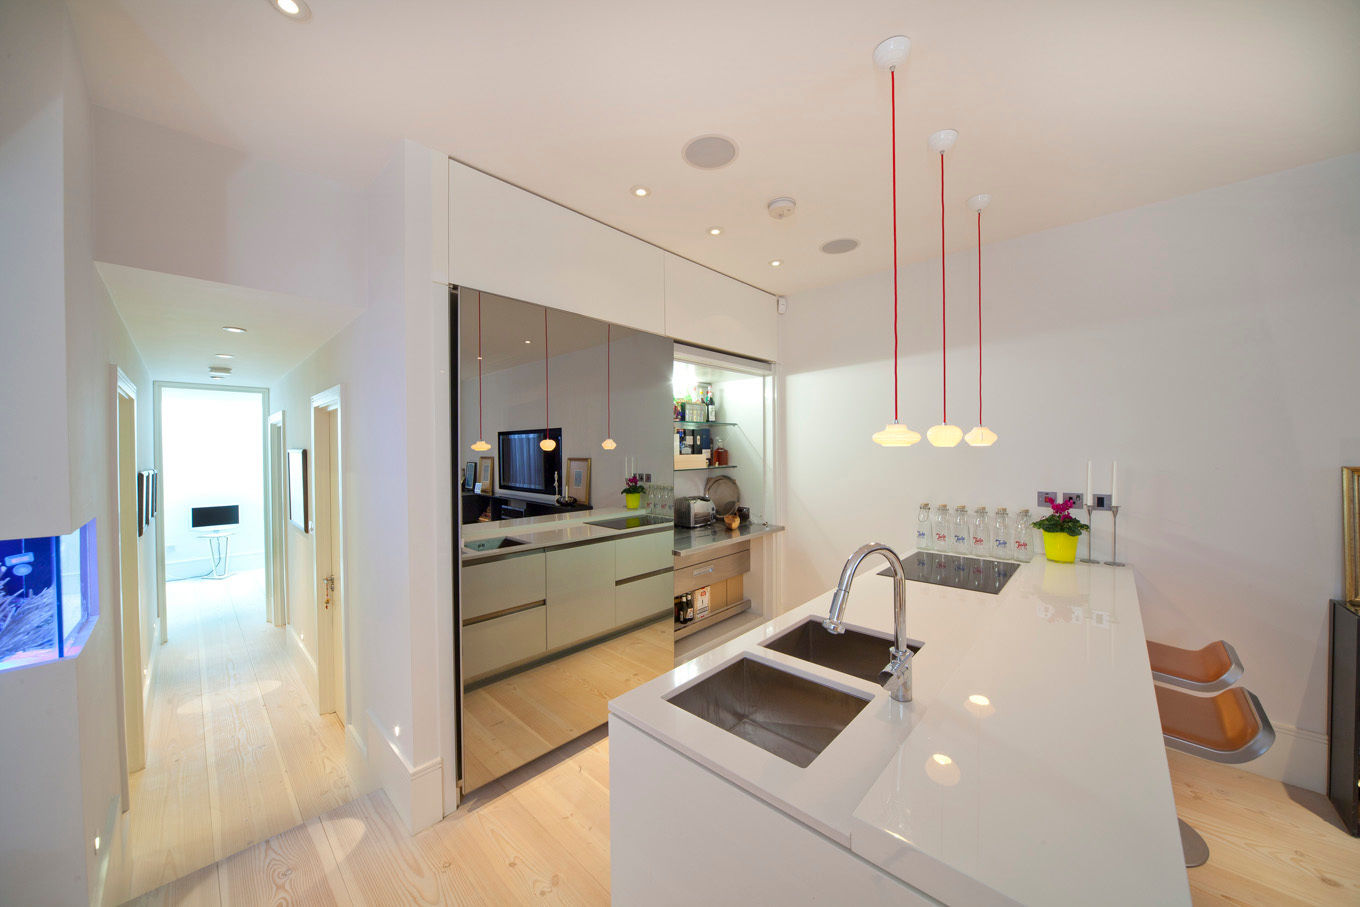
981, 540
1001, 535
1021, 537
958, 538
941, 527
925, 537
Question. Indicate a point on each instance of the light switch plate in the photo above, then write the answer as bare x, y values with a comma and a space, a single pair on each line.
1076, 497
1102, 502
1045, 495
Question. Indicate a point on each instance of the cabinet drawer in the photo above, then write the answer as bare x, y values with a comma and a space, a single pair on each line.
643, 598
503, 641
706, 573
509, 583
638, 554
580, 593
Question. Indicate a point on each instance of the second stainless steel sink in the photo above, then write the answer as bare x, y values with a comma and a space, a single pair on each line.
862, 655
782, 713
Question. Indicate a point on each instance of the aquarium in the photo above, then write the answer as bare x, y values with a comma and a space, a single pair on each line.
49, 596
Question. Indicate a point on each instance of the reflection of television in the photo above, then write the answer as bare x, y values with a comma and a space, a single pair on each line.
214, 517
527, 467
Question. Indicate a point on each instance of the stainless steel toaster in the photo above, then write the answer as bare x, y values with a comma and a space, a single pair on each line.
693, 512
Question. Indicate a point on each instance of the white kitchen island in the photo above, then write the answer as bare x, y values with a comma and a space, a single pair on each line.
1029, 768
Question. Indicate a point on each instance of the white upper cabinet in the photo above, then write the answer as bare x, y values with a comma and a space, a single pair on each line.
709, 309
507, 241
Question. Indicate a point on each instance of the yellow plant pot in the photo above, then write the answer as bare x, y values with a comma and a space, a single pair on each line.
634, 501
1060, 547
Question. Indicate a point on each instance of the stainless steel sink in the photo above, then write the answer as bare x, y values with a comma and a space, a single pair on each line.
862, 655
492, 544
785, 714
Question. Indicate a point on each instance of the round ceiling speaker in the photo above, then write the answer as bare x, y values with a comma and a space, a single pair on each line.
709, 152
840, 246
781, 207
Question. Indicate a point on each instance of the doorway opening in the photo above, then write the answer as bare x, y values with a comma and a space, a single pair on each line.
329, 540
278, 515
131, 522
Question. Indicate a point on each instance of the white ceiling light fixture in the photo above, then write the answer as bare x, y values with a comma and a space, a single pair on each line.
480, 444
944, 434
981, 435
225, 356
715, 231
775, 263
219, 371
781, 208
293, 10
889, 55
840, 246
233, 329
709, 152
640, 191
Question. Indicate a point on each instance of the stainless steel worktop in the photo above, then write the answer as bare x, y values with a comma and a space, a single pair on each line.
717, 535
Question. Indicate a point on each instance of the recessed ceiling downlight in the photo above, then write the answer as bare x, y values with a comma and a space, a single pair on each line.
233, 329
218, 371
640, 191
840, 246
709, 152
297, 10
715, 231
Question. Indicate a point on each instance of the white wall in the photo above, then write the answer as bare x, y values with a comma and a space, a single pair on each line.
513, 399
211, 454
1207, 343
168, 202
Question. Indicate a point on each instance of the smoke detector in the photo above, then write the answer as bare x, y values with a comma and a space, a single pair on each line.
781, 207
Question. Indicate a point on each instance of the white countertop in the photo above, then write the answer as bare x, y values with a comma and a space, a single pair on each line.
539, 532
1054, 792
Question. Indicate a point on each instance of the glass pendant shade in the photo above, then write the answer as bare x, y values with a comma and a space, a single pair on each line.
895, 434
608, 444
980, 436
944, 435
481, 446
548, 444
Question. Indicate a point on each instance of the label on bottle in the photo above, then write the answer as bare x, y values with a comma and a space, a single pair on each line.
941, 537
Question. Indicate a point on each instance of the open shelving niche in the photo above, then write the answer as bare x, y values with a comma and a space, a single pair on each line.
744, 390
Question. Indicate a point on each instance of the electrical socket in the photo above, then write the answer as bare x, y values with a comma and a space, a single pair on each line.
1045, 495
1077, 498
1102, 502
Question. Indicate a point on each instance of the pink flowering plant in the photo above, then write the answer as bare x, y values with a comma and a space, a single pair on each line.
633, 485
1060, 520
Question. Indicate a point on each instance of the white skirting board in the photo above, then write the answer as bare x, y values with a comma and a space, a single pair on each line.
416, 792
1298, 757
305, 664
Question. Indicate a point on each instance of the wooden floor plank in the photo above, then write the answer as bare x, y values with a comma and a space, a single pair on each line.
295, 868
378, 859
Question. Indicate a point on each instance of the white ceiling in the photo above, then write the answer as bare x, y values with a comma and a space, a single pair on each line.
176, 323
1067, 109
506, 323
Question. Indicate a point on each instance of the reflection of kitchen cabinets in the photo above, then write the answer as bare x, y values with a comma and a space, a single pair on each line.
500, 585
710, 309
493, 644
580, 593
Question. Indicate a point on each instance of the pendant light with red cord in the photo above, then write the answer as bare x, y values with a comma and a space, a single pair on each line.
981, 435
547, 443
944, 434
480, 444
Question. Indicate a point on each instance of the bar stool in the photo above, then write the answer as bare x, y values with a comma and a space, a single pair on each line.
1208, 670
1229, 727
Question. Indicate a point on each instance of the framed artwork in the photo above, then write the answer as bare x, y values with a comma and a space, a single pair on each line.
486, 474
469, 475
141, 503
298, 511
155, 493
1350, 507
578, 479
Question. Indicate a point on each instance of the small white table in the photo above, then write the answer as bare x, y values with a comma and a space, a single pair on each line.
219, 542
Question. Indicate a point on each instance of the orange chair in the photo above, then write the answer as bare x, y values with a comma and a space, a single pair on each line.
1227, 727
1208, 670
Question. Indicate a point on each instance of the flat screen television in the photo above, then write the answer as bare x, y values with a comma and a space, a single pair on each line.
218, 517
527, 467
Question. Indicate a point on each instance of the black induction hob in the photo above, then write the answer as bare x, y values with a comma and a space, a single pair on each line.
973, 573
631, 522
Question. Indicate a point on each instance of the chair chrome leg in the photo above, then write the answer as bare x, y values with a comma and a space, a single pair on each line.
1195, 850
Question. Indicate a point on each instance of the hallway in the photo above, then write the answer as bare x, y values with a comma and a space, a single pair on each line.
235, 750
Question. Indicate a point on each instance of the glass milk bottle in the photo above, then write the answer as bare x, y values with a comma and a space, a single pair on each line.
1022, 537
981, 539
959, 531
941, 527
1001, 535
925, 536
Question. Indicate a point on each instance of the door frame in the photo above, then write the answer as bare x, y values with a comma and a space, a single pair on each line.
276, 540
324, 522
130, 688
157, 387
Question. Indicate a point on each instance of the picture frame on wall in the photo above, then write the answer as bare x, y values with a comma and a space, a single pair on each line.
298, 503
578, 479
486, 474
155, 493
141, 503
469, 475
1350, 509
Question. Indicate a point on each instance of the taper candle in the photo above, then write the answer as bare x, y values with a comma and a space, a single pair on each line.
1114, 483
1089, 501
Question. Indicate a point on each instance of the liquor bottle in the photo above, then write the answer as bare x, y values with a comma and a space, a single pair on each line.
958, 538
689, 607
1020, 537
1001, 535
941, 527
925, 538
981, 540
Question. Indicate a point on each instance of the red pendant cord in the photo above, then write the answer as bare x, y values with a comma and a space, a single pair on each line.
979, 248
609, 380
893, 79
944, 331
547, 421
480, 435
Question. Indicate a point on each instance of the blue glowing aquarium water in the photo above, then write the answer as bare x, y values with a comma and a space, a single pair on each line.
49, 596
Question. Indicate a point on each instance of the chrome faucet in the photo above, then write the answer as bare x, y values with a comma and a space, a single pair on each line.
899, 665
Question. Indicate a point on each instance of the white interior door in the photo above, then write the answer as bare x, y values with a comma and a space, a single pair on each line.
278, 535
130, 580
336, 560
328, 541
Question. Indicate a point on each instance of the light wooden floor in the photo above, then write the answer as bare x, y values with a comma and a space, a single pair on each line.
236, 752
541, 835
513, 721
